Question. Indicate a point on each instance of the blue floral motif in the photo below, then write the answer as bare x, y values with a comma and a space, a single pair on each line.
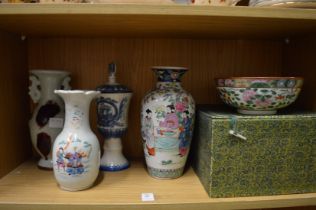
169, 75
110, 112
116, 88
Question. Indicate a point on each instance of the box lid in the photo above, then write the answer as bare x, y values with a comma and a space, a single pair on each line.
224, 112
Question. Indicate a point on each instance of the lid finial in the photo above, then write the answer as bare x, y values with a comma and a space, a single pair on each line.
112, 72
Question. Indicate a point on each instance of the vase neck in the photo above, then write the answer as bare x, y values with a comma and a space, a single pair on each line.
48, 85
168, 85
77, 115
169, 74
50, 81
77, 107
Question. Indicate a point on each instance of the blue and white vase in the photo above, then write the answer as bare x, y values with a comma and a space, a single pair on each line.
167, 119
112, 111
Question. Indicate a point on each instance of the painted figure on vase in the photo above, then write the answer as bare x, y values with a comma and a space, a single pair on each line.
60, 159
171, 120
148, 133
70, 158
185, 134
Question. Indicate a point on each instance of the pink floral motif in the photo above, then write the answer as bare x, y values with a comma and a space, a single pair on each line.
221, 82
174, 75
248, 94
180, 106
171, 121
264, 103
259, 81
229, 83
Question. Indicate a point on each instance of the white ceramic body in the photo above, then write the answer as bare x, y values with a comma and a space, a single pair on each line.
167, 118
51, 105
258, 101
112, 123
76, 151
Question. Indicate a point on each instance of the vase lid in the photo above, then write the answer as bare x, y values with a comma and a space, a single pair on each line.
112, 86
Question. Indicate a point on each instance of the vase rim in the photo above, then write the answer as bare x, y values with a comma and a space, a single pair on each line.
169, 67
85, 92
265, 78
50, 71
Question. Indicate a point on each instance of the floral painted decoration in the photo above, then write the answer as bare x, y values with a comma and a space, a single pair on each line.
258, 98
169, 74
261, 82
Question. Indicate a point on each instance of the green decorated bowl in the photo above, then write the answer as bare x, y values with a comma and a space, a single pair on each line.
258, 101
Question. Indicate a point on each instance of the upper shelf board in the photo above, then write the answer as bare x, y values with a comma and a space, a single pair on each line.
137, 20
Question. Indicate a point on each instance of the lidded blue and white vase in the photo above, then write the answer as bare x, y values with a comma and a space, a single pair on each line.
167, 119
112, 110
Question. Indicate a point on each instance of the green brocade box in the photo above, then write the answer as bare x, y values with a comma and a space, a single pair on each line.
278, 155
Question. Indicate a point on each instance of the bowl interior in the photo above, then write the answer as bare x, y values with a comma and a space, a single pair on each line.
260, 82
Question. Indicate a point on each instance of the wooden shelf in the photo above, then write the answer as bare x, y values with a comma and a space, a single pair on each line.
30, 188
129, 20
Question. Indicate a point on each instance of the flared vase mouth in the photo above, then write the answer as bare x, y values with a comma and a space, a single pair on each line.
267, 78
169, 67
169, 73
39, 72
79, 92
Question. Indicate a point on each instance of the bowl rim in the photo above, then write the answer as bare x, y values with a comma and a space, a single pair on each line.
249, 88
266, 78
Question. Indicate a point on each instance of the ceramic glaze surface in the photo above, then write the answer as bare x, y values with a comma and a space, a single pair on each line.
261, 82
112, 110
76, 151
50, 108
258, 99
167, 119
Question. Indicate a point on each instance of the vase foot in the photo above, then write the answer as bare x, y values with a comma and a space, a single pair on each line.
45, 164
256, 112
165, 173
75, 189
114, 167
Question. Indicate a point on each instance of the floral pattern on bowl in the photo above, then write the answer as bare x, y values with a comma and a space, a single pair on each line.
261, 82
258, 100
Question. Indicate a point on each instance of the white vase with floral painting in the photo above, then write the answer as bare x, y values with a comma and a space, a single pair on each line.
48, 116
167, 119
76, 151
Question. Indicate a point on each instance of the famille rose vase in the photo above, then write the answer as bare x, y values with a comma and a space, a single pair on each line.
167, 119
112, 112
48, 117
76, 151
